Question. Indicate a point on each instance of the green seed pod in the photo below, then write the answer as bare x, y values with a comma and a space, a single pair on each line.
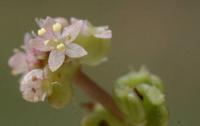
140, 97
99, 117
61, 88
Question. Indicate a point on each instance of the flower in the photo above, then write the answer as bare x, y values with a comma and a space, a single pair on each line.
23, 61
59, 41
31, 86
49, 59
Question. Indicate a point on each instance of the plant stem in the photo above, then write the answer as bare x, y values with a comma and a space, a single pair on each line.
97, 93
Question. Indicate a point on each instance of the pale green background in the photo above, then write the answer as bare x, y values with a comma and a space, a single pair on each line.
164, 35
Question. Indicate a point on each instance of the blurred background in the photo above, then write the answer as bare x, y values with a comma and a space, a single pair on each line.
163, 35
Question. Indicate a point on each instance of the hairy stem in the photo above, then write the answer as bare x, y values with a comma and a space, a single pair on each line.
97, 93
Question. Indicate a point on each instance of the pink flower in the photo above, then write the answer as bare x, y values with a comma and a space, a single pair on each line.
24, 61
53, 37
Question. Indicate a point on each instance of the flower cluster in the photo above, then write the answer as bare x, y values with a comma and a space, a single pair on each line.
49, 58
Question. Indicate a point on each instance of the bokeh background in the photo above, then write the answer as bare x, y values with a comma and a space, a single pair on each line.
163, 35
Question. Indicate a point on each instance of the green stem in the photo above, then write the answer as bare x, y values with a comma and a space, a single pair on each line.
97, 93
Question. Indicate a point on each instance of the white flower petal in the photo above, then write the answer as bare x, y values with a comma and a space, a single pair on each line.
47, 25
71, 32
44, 22
27, 38
73, 20
56, 59
85, 30
103, 32
18, 63
75, 51
62, 21
38, 43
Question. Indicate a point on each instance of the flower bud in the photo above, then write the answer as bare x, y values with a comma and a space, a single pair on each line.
140, 97
133, 79
31, 86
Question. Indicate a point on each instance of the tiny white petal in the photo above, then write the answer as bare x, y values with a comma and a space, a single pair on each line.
71, 32
56, 59
40, 22
18, 63
44, 22
39, 44
75, 51
27, 38
85, 30
62, 21
103, 32
73, 20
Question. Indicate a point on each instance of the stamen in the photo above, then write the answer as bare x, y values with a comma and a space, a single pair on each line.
41, 32
57, 27
60, 46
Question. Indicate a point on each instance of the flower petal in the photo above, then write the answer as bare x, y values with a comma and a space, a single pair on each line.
56, 59
75, 51
18, 63
85, 30
103, 32
62, 21
27, 38
38, 43
47, 25
71, 32
44, 22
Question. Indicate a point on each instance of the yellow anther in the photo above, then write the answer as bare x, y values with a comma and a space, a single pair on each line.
47, 42
60, 46
57, 27
41, 32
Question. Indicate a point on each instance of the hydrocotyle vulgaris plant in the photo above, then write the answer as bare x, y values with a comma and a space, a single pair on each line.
50, 62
